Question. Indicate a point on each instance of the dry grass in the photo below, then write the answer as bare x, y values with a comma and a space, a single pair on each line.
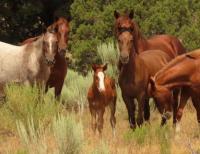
148, 139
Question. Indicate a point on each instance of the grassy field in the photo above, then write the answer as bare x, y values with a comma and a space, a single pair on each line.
41, 125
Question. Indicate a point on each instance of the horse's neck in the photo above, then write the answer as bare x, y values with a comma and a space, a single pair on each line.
141, 43
128, 71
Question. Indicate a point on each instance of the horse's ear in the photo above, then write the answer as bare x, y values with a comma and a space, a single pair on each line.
69, 18
131, 14
55, 18
105, 67
94, 67
116, 14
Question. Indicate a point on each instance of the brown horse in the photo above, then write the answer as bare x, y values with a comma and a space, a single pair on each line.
131, 43
101, 94
169, 44
183, 71
59, 71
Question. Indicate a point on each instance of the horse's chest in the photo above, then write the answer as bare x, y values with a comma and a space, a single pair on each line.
101, 101
131, 88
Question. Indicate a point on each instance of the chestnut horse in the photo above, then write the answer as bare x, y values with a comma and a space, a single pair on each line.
183, 71
29, 63
131, 43
101, 93
59, 71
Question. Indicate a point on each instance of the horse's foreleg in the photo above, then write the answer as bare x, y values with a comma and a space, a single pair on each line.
112, 106
130, 105
141, 102
93, 119
100, 120
167, 107
146, 110
175, 104
2, 92
196, 103
58, 89
185, 94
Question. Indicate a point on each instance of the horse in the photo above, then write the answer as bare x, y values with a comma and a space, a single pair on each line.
29, 63
183, 72
166, 43
59, 70
101, 93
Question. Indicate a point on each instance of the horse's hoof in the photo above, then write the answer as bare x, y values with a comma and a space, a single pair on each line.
167, 115
133, 126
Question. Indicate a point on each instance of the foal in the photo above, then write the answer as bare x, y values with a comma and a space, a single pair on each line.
101, 93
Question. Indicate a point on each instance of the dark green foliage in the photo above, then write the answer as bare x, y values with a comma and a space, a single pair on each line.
21, 19
93, 20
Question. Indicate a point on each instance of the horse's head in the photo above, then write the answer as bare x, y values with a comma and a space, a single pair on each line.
99, 76
50, 47
126, 33
162, 96
61, 26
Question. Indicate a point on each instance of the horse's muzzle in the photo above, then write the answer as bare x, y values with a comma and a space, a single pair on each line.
62, 52
124, 57
50, 62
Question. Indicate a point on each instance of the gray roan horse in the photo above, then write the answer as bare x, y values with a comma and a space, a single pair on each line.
28, 64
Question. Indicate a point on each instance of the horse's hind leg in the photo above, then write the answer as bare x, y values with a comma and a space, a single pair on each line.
112, 106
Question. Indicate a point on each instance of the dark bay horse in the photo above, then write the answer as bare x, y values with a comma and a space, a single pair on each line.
102, 93
183, 71
59, 71
134, 71
29, 63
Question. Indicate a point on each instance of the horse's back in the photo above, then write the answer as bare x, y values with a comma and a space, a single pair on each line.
155, 60
167, 43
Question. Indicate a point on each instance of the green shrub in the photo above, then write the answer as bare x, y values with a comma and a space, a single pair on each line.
68, 134
75, 89
101, 149
140, 135
109, 53
23, 102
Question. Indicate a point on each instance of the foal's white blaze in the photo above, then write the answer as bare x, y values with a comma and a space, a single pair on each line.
101, 81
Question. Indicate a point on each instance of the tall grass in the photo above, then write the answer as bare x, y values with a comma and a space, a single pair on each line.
109, 53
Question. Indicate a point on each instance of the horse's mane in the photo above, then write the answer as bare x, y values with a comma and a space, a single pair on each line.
29, 40
192, 55
171, 64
